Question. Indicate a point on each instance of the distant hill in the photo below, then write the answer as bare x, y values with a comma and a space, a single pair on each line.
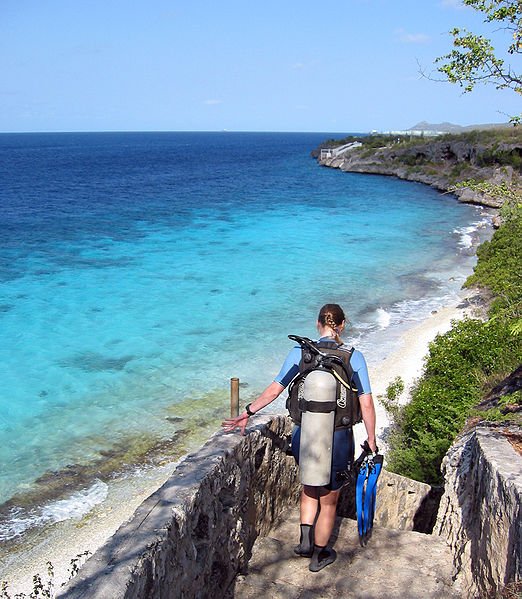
451, 128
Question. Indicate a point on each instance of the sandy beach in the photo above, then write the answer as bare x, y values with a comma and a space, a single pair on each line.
65, 540
407, 361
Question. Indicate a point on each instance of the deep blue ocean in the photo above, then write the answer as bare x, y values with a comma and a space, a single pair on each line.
140, 271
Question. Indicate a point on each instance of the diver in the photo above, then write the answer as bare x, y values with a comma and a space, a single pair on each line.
318, 504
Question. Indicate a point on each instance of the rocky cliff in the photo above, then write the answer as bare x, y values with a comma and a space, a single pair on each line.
439, 163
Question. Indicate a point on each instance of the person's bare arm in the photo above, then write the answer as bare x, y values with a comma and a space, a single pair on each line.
368, 414
273, 391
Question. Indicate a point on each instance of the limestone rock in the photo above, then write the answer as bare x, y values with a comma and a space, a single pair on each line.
433, 164
480, 513
402, 503
190, 538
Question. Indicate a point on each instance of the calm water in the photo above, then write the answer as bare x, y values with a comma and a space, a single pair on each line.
139, 272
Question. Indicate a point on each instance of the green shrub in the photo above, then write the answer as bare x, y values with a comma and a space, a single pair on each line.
391, 399
503, 411
463, 364
498, 266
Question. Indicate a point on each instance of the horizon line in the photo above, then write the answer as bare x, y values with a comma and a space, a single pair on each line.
168, 131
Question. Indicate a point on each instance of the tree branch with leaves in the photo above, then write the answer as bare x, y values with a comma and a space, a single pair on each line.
474, 59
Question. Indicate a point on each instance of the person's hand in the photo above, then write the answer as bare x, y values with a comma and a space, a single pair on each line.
240, 422
373, 445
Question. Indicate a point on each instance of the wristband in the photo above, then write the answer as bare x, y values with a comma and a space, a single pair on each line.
248, 410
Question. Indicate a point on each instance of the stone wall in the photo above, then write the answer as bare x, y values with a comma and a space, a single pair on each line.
402, 503
480, 512
197, 531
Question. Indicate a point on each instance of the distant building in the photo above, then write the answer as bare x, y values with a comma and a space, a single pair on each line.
334, 152
411, 132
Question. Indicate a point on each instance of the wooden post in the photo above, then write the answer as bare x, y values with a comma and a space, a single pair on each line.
234, 397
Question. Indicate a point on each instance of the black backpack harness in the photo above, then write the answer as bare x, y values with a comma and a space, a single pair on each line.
335, 359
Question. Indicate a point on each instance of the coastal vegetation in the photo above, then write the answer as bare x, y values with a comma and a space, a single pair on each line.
482, 166
457, 153
467, 371
492, 146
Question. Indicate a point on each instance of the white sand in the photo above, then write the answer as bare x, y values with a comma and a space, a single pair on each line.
65, 540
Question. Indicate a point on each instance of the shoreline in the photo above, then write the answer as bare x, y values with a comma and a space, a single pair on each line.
64, 541
407, 359
434, 169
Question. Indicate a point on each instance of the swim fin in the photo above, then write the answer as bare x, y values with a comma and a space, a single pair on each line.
366, 495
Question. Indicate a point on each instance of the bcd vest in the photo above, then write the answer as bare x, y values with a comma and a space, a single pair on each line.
335, 359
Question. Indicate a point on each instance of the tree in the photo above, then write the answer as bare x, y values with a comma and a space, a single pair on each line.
474, 59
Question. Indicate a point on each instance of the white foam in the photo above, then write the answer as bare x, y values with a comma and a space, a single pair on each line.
468, 235
76, 506
394, 320
466, 240
410, 310
16, 525
383, 318
416, 310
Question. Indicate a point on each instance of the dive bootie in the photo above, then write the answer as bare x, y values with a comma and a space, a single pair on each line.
322, 557
306, 541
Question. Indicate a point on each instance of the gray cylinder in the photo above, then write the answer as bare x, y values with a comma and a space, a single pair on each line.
317, 431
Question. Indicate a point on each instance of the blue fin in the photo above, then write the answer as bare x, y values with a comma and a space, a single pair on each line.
359, 498
366, 495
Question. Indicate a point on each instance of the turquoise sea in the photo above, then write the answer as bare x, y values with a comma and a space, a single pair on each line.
140, 271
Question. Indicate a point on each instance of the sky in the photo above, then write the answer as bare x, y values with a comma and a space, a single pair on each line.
212, 65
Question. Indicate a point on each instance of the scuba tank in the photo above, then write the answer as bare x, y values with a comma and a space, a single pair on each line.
317, 428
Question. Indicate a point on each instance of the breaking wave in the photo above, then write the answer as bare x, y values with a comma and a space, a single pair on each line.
76, 506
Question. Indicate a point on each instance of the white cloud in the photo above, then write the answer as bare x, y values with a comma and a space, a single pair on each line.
412, 38
213, 102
